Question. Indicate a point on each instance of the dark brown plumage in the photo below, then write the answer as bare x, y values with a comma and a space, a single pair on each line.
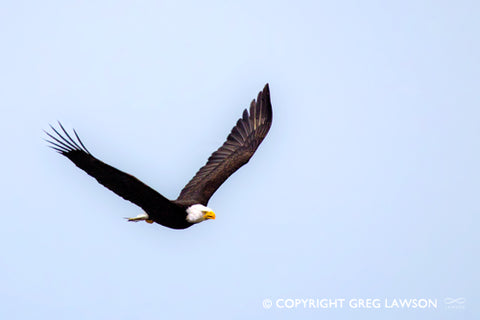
237, 150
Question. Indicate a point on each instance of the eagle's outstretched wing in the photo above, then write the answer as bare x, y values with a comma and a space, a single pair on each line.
123, 184
241, 144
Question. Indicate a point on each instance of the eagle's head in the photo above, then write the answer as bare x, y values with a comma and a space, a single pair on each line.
198, 213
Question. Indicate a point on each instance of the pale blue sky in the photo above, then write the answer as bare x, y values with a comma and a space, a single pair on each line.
367, 185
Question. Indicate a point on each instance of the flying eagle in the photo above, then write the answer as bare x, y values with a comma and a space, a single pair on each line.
191, 205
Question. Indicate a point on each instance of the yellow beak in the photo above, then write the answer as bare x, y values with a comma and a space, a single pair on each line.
209, 215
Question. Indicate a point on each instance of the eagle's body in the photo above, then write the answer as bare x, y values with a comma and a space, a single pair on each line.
190, 207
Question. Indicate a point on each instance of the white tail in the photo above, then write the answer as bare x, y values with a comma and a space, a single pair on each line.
140, 217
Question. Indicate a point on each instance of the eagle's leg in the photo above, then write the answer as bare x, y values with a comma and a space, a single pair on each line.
140, 217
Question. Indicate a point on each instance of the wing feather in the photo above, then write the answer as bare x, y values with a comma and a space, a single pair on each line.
241, 144
123, 184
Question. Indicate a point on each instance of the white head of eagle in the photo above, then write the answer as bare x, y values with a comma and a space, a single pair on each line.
198, 213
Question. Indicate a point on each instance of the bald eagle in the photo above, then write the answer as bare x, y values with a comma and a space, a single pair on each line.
191, 205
